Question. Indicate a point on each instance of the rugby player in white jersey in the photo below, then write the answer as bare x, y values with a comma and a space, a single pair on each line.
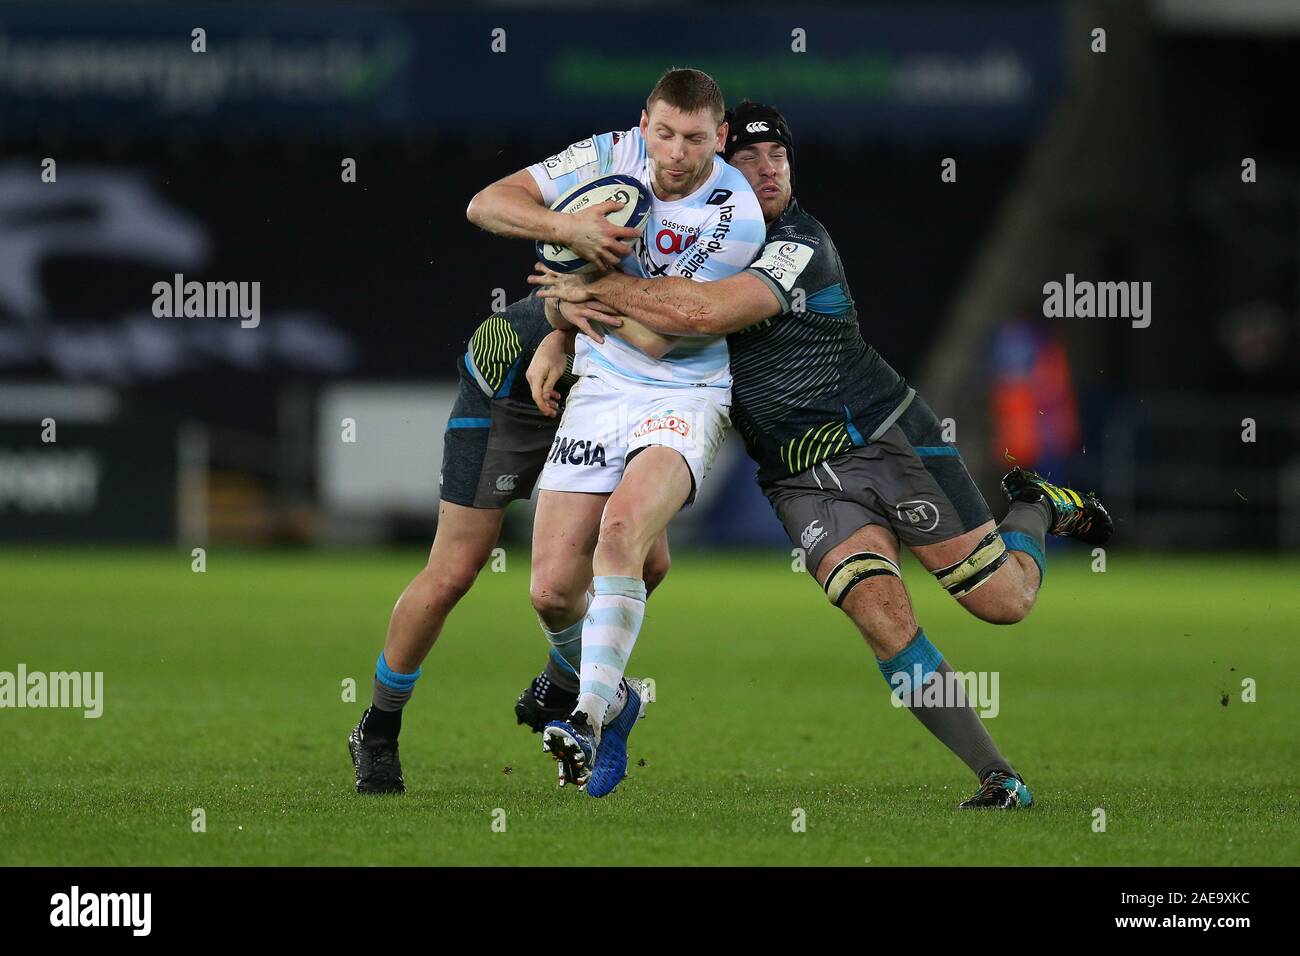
852, 459
640, 431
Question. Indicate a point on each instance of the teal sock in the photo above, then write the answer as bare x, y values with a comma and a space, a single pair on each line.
1025, 529
954, 720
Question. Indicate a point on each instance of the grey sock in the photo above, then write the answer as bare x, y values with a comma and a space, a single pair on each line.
561, 677
959, 729
1033, 518
386, 698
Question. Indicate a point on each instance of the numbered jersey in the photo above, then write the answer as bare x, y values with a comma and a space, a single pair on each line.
713, 233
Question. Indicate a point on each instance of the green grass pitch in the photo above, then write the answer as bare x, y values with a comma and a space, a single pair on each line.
223, 692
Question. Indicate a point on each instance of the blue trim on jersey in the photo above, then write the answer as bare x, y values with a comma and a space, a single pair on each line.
855, 436
830, 301
469, 423
935, 451
509, 381
391, 678
1019, 541
473, 369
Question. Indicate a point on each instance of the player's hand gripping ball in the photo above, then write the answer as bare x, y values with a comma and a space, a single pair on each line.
618, 188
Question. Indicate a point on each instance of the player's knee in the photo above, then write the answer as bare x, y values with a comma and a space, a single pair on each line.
995, 605
447, 583
553, 601
619, 542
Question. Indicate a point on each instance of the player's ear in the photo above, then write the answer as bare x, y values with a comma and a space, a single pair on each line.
645, 123
721, 143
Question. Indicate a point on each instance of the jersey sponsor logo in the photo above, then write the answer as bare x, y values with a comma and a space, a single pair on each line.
577, 451
580, 154
759, 126
921, 515
718, 197
673, 243
669, 421
506, 484
812, 534
705, 249
784, 261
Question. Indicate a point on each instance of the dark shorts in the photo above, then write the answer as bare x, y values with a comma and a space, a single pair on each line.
493, 449
908, 480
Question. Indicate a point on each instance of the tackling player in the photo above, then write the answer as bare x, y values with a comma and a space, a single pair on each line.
850, 457
494, 447
638, 434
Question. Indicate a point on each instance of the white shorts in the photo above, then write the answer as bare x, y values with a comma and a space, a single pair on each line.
607, 418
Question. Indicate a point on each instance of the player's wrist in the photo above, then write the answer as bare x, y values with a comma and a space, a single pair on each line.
558, 228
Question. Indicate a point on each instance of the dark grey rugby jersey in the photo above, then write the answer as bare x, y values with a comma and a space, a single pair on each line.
806, 386
502, 347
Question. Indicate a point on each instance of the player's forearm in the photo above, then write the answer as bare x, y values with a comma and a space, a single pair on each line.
652, 343
509, 210
670, 306
562, 341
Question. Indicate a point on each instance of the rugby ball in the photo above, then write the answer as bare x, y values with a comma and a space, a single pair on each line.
624, 189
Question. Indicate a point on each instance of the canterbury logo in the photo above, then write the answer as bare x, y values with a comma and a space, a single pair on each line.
757, 127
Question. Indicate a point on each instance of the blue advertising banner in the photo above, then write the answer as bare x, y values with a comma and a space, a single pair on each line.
991, 72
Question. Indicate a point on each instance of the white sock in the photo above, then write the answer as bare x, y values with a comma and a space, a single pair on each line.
612, 624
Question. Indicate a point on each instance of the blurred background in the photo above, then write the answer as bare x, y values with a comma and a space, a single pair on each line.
1123, 165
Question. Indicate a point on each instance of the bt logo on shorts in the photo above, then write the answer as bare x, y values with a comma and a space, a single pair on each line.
577, 451
812, 534
506, 483
921, 515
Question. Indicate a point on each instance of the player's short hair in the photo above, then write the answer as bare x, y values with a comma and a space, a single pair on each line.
691, 91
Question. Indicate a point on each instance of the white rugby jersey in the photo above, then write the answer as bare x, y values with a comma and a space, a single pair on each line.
713, 233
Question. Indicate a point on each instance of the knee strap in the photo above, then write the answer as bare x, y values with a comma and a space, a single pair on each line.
853, 570
976, 568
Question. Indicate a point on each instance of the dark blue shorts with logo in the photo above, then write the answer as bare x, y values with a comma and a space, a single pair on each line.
908, 480
493, 449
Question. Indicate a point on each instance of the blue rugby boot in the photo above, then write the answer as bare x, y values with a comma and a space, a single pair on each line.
611, 765
1074, 515
573, 743
1000, 791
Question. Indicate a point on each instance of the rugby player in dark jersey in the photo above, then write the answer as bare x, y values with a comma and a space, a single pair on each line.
494, 447
851, 458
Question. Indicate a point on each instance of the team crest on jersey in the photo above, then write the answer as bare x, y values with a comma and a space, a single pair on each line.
667, 421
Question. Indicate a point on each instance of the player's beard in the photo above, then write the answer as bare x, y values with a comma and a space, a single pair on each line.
685, 185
